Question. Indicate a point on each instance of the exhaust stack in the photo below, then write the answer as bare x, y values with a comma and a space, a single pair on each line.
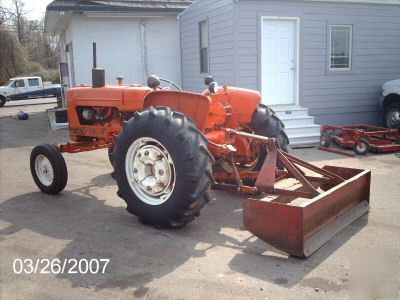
98, 75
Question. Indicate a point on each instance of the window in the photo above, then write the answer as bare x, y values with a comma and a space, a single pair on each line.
18, 83
203, 47
33, 81
340, 47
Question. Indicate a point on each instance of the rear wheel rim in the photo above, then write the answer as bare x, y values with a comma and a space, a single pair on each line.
324, 141
150, 171
44, 170
362, 147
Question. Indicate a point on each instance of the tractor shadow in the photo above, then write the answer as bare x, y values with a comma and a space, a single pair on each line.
140, 254
286, 271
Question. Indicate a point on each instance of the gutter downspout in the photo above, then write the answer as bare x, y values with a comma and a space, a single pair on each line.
180, 50
144, 50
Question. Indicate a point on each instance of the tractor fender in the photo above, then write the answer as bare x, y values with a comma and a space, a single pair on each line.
194, 106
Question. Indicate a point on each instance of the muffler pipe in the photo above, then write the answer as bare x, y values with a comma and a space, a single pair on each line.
98, 75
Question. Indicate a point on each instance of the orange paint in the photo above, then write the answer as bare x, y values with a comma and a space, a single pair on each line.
212, 113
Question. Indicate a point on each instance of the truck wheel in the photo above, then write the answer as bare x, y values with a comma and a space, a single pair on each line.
361, 147
392, 116
2, 101
162, 167
264, 122
48, 169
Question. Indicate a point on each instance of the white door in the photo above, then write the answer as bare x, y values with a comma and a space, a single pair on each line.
20, 88
278, 61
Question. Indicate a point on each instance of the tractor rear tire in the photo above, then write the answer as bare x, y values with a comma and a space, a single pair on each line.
265, 122
48, 169
110, 155
159, 141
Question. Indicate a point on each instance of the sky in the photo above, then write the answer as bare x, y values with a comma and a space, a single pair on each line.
35, 8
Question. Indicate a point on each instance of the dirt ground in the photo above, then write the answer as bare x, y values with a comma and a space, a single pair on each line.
211, 258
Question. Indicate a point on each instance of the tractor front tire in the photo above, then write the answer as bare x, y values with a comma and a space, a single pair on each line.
48, 169
265, 122
163, 168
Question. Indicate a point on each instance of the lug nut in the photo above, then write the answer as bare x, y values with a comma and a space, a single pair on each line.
135, 170
149, 188
161, 172
146, 153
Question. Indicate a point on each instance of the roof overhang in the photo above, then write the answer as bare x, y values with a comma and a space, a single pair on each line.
382, 2
55, 22
58, 12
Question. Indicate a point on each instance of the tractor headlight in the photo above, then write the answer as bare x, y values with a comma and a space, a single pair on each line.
213, 87
89, 114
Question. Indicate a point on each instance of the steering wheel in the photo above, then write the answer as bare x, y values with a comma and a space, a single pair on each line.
171, 84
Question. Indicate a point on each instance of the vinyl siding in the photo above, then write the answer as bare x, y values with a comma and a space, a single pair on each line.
339, 98
221, 39
342, 98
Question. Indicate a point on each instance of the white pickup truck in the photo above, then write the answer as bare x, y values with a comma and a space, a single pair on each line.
21, 88
390, 102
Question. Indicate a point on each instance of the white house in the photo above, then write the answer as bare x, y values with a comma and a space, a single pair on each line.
134, 38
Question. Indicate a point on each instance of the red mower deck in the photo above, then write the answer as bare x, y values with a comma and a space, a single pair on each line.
362, 138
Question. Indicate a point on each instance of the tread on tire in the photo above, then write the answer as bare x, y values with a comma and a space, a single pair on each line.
192, 161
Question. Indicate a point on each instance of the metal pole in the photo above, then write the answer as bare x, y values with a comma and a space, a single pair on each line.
94, 56
143, 50
249, 135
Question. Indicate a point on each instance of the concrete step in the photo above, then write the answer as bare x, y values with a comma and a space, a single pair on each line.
297, 120
303, 130
290, 111
304, 141
299, 126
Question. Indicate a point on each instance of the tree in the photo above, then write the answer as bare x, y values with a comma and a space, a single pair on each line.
18, 18
5, 16
24, 47
12, 56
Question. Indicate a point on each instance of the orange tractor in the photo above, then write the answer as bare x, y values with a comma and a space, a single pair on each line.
169, 147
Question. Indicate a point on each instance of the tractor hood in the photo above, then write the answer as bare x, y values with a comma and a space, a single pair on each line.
240, 92
243, 102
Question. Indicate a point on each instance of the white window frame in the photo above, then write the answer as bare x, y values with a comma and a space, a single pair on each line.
350, 48
29, 82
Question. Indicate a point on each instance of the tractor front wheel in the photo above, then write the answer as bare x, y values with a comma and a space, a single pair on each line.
162, 167
48, 169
